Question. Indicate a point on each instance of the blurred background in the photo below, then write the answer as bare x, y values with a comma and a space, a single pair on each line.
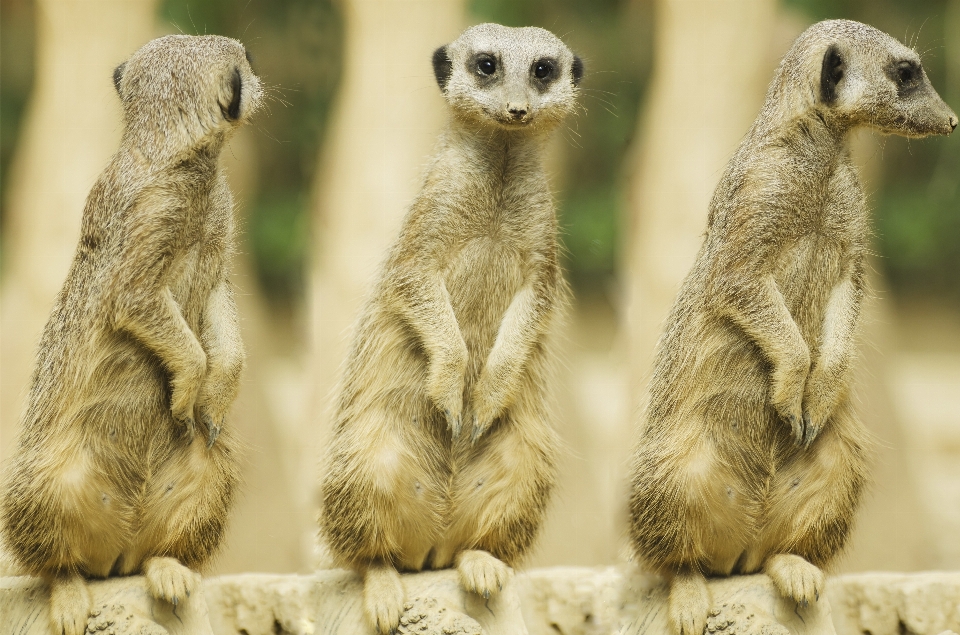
323, 177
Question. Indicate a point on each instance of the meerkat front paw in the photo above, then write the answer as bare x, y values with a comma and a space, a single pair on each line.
185, 389
383, 598
820, 398
787, 394
795, 578
70, 605
445, 385
689, 604
481, 573
169, 580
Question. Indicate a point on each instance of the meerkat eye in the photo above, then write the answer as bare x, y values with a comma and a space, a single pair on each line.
487, 66
542, 69
907, 75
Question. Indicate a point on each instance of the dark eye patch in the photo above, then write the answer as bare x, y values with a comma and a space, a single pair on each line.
907, 75
543, 72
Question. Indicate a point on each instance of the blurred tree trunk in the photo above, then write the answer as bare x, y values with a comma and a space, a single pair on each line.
388, 113
71, 128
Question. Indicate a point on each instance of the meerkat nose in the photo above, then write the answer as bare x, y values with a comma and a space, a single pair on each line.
518, 111
953, 122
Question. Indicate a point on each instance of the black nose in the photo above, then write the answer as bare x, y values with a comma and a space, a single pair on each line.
953, 122
518, 113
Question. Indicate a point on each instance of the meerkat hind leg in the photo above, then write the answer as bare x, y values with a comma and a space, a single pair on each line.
481, 572
169, 580
70, 605
795, 578
689, 603
383, 597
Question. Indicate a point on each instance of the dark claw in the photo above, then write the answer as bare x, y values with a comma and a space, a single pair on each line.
175, 600
188, 592
804, 604
809, 432
486, 595
817, 595
453, 424
213, 430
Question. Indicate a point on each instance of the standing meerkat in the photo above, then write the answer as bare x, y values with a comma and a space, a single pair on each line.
751, 456
443, 451
142, 347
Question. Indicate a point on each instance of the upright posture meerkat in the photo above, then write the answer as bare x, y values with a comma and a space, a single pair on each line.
751, 456
443, 451
142, 347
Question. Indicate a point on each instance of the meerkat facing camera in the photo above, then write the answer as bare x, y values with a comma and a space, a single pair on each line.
443, 452
751, 455
142, 346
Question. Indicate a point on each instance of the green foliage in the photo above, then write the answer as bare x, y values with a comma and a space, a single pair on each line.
16, 80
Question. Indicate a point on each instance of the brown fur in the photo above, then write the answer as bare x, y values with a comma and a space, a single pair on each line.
751, 455
143, 342
443, 451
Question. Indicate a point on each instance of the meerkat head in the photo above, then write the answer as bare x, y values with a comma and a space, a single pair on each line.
511, 77
864, 77
182, 91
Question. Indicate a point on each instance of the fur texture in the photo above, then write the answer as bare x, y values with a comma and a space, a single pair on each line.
751, 455
443, 451
142, 348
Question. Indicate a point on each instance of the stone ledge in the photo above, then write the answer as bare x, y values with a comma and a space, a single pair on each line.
560, 600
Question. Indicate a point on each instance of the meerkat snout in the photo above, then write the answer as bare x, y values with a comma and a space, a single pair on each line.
531, 83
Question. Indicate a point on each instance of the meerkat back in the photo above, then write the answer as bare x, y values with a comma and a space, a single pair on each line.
142, 349
444, 453
751, 454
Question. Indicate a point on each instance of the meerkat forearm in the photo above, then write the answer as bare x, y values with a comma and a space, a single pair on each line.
156, 321
759, 309
522, 324
837, 339
220, 336
426, 305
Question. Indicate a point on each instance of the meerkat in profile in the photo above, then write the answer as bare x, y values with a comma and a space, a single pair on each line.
443, 451
751, 455
142, 348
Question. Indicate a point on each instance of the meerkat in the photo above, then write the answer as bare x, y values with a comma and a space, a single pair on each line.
443, 452
142, 348
751, 455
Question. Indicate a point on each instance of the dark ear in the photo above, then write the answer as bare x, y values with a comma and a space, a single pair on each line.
442, 67
233, 110
118, 75
830, 74
577, 70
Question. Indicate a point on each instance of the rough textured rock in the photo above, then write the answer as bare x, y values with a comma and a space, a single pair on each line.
122, 606
578, 601
554, 601
330, 603
896, 603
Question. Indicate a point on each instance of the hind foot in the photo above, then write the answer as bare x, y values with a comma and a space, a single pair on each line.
689, 603
383, 597
481, 573
795, 578
70, 605
169, 580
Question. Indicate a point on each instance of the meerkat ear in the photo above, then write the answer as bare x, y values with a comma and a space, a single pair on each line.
442, 67
233, 110
118, 75
577, 70
831, 73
